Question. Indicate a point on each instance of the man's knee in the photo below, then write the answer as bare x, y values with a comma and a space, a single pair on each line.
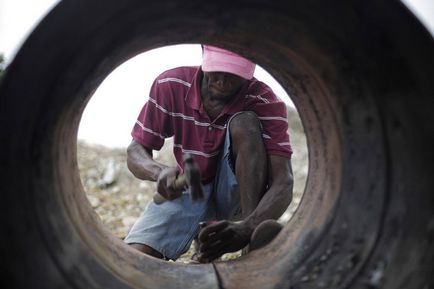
245, 126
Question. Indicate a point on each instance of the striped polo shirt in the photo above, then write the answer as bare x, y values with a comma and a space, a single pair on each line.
175, 109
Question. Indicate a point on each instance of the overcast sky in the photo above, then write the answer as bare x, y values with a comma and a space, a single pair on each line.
112, 111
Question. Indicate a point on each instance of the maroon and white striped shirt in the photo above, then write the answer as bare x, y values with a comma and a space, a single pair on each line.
175, 109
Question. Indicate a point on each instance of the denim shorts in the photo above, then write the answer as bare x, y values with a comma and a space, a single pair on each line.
171, 226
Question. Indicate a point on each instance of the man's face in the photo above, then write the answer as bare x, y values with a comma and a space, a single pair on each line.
222, 85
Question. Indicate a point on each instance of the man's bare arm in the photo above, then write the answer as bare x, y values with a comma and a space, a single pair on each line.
141, 163
144, 167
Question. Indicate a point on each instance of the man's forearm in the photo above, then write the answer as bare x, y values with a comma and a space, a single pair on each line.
141, 164
272, 205
278, 196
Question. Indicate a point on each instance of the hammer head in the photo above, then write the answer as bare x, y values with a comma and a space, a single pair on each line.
192, 178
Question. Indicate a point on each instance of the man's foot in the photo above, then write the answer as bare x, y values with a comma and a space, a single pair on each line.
264, 234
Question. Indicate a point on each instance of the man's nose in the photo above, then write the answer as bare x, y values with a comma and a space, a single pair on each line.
221, 80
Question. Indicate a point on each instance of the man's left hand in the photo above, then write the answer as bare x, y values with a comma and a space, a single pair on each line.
222, 237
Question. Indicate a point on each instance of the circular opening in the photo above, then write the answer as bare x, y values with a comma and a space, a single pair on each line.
104, 133
316, 207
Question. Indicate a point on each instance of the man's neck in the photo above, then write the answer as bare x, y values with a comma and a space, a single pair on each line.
213, 106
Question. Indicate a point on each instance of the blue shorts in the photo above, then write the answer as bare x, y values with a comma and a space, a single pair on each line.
171, 226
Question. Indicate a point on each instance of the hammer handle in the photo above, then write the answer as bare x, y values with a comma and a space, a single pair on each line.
179, 183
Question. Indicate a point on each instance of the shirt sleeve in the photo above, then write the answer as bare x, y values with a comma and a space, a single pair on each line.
274, 120
153, 124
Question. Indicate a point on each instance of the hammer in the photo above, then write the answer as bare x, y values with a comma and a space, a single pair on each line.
190, 179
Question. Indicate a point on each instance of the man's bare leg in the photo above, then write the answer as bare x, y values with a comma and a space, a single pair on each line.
147, 250
251, 171
251, 162
250, 157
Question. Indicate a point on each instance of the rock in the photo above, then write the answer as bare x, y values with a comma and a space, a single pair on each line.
94, 201
128, 221
115, 190
140, 197
110, 174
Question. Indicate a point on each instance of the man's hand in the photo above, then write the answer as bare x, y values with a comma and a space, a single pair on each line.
165, 183
222, 237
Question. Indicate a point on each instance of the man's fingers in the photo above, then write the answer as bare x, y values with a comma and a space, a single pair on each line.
215, 239
217, 249
172, 194
165, 183
215, 252
211, 230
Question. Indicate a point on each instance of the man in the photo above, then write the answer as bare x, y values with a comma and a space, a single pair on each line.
236, 130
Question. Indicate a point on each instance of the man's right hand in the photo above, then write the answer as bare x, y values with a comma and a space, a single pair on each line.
165, 183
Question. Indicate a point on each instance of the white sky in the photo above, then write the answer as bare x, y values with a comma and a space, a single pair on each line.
112, 111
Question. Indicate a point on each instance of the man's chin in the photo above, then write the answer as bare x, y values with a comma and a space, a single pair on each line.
220, 96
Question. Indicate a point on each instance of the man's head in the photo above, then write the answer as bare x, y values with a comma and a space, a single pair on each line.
220, 60
225, 72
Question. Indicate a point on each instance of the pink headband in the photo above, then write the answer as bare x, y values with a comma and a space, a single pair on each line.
217, 59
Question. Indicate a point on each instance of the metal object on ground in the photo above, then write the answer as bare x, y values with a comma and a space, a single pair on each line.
190, 179
360, 75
